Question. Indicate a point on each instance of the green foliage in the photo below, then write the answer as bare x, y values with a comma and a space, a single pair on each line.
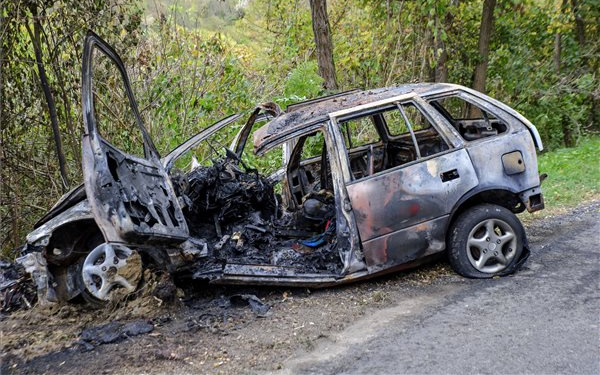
304, 81
522, 71
573, 173
29, 176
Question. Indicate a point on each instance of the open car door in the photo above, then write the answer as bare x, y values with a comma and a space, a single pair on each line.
131, 197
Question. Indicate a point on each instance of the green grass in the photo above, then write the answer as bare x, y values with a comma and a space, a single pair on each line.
573, 174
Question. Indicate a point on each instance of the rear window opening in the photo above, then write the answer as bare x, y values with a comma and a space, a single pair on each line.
471, 121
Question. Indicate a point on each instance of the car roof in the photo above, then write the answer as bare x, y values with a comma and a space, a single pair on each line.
303, 117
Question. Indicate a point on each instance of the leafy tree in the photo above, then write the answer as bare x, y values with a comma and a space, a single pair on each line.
40, 49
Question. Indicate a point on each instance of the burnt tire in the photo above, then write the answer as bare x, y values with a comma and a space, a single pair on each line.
486, 241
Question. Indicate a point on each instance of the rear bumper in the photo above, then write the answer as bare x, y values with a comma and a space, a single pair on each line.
533, 199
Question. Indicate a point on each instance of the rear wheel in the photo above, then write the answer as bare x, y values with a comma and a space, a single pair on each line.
485, 241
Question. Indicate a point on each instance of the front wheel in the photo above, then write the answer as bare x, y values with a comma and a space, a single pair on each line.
485, 241
109, 272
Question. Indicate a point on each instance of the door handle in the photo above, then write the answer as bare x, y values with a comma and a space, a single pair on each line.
449, 175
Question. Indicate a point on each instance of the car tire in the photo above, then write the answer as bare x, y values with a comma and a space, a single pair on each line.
485, 241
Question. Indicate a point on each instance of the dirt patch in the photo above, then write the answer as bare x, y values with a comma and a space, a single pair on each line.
209, 332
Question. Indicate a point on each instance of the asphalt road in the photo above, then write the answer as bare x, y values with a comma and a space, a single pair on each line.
545, 319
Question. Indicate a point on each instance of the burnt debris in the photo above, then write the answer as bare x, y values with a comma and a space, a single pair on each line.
112, 332
17, 290
224, 193
238, 213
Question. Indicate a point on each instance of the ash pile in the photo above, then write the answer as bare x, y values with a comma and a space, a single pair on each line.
240, 216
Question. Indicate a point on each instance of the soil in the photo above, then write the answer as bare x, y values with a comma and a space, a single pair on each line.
209, 332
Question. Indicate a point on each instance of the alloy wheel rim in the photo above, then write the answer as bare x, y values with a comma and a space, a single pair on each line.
100, 271
491, 245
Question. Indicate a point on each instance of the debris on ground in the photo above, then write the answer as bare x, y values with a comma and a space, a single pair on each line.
217, 306
164, 289
17, 290
112, 332
257, 306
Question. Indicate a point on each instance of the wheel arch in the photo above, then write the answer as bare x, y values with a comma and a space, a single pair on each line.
69, 237
495, 195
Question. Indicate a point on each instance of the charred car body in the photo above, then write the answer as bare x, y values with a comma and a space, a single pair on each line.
371, 182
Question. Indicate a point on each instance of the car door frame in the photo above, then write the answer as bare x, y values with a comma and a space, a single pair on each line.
132, 198
377, 253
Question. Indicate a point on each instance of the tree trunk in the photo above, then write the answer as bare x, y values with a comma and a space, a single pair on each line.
441, 67
485, 33
589, 64
324, 45
579, 24
557, 51
36, 41
427, 72
556, 56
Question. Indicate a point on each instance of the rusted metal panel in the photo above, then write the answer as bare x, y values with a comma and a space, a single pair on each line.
407, 195
264, 270
533, 199
398, 211
132, 199
406, 245
282, 276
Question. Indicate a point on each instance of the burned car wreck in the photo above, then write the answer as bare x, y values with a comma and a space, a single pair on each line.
370, 182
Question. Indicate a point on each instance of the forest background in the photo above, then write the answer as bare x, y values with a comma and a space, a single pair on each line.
194, 62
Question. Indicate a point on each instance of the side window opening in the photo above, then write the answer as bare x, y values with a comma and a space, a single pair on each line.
116, 121
364, 145
266, 164
429, 140
308, 170
470, 120
360, 131
205, 152
408, 136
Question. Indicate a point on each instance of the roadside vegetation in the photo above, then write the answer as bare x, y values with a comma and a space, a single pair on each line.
573, 174
194, 62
